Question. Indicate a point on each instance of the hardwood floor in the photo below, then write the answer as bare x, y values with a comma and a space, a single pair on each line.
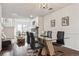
24, 51
64, 51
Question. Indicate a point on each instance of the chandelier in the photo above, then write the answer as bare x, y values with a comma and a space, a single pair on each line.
44, 5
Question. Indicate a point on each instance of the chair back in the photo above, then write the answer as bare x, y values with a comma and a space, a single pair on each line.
32, 40
60, 37
28, 37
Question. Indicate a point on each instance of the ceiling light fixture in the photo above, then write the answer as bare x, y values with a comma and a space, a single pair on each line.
44, 5
31, 16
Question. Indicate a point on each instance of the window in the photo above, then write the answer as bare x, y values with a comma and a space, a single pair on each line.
22, 27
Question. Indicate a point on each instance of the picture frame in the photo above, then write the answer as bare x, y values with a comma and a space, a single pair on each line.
33, 23
65, 21
53, 23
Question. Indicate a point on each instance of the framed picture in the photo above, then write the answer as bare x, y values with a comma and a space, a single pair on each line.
33, 23
65, 21
53, 23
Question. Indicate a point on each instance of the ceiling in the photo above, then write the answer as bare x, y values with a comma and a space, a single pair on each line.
24, 10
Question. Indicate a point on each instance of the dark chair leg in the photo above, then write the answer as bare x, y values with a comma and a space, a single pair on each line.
39, 53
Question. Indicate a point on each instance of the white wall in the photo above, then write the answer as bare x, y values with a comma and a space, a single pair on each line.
41, 25
0, 11
0, 39
9, 32
36, 22
71, 31
0, 29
